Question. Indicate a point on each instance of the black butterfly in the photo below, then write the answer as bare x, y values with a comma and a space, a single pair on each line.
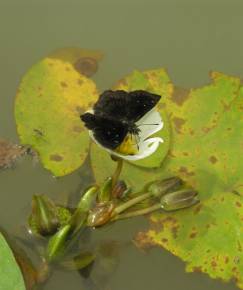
115, 114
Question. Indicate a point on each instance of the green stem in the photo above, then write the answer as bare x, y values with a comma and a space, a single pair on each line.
117, 172
138, 212
131, 202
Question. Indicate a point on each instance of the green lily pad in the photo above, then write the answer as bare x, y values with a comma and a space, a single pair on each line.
50, 99
207, 126
10, 275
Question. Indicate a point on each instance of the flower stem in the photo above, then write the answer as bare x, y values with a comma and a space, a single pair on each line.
138, 212
117, 172
131, 202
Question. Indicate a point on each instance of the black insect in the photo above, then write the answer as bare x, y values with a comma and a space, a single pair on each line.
115, 114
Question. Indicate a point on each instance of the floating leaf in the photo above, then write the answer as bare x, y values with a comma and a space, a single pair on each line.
10, 275
206, 146
50, 99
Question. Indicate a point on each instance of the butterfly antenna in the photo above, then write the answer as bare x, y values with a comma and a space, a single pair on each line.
148, 124
137, 139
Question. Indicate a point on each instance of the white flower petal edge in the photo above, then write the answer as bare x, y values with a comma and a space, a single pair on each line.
152, 117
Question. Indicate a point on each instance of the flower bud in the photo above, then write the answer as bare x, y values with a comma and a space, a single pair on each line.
120, 190
101, 214
44, 216
79, 217
161, 187
105, 191
57, 243
179, 199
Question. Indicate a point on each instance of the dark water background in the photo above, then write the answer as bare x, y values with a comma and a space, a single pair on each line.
189, 38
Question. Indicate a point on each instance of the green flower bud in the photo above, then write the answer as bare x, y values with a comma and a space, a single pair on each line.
87, 199
78, 219
105, 191
44, 216
161, 187
179, 199
57, 243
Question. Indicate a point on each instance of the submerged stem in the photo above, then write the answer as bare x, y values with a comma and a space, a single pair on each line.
138, 212
117, 172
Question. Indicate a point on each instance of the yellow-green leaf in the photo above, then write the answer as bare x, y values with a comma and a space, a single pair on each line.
207, 126
50, 99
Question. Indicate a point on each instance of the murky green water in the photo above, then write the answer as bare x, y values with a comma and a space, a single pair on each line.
189, 38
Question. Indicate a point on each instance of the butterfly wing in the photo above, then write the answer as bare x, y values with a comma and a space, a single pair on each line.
112, 104
125, 106
108, 132
139, 103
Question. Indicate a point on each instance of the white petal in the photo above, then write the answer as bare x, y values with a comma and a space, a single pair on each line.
152, 117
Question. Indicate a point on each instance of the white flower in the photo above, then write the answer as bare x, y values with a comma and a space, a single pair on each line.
140, 146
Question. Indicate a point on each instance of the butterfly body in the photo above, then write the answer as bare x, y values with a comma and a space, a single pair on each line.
115, 114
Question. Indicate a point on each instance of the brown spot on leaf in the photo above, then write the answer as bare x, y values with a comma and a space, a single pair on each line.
56, 157
80, 82
197, 209
238, 204
80, 110
226, 260
206, 129
180, 96
122, 82
164, 240
225, 106
191, 132
178, 122
185, 153
63, 84
143, 241
174, 231
213, 264
78, 129
197, 269
185, 171
213, 159
86, 66
193, 235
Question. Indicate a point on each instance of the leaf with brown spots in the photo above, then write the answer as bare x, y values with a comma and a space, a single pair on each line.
209, 236
206, 155
47, 111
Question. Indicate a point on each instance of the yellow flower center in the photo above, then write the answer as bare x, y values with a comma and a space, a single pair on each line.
128, 146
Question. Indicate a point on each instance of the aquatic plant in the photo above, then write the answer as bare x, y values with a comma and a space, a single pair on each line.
192, 159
